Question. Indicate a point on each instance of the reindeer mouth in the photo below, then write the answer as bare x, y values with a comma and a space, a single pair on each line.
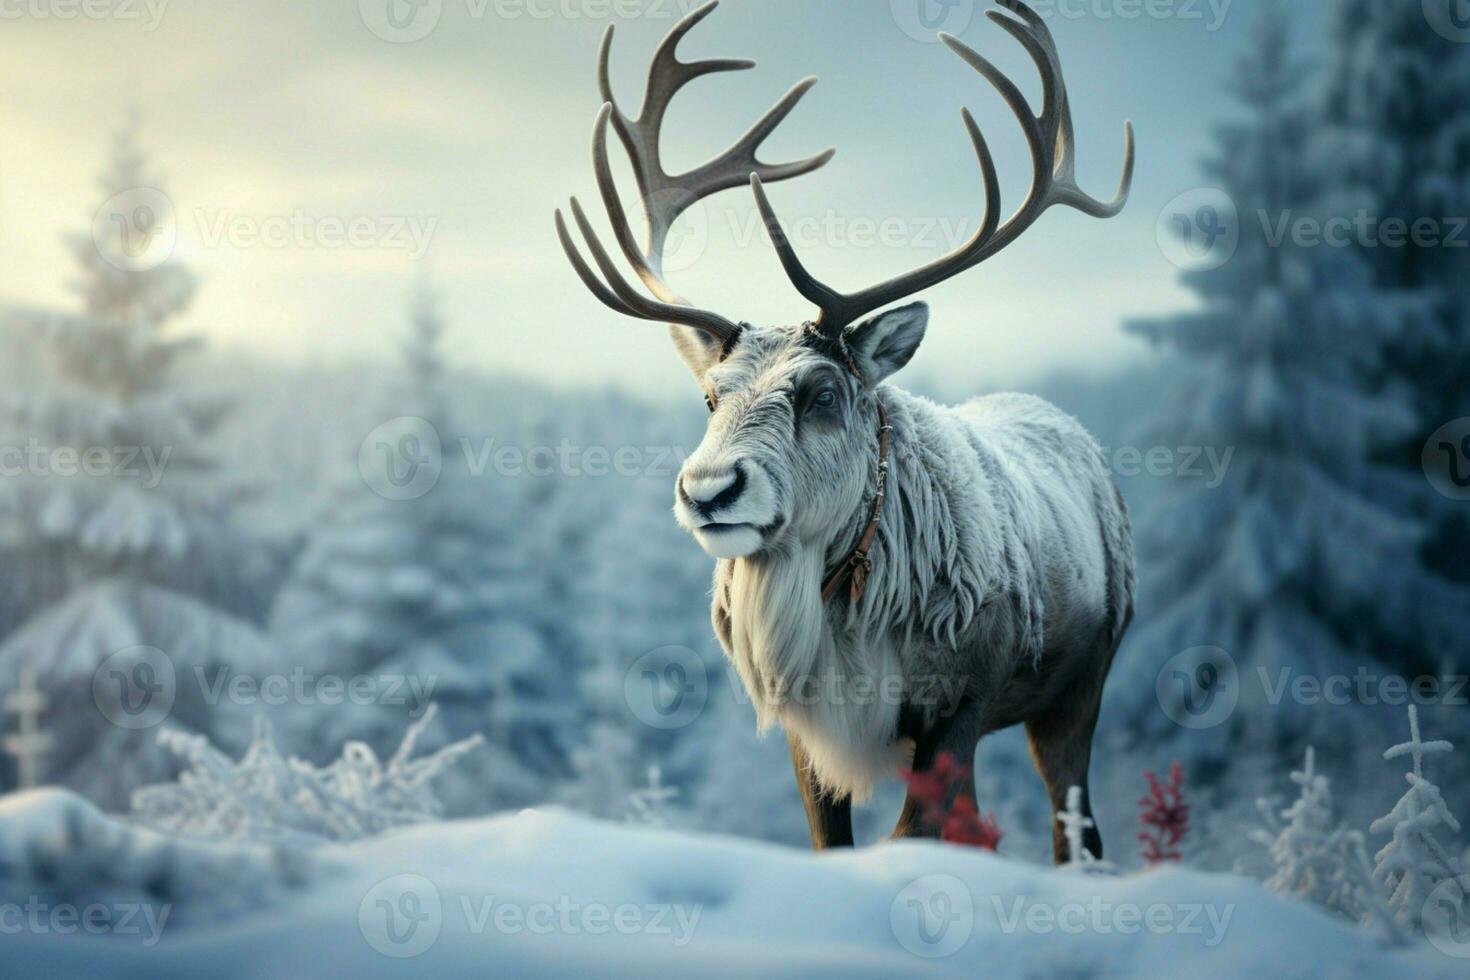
729, 540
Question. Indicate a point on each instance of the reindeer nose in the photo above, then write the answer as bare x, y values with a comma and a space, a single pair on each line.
710, 492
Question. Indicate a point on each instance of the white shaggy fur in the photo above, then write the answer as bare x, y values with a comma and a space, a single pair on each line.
1002, 538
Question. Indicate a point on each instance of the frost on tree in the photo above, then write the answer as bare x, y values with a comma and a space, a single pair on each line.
636, 586
1396, 139
118, 483
1283, 563
653, 803
119, 534
117, 660
1397, 136
447, 589
605, 765
1428, 887
1317, 859
269, 797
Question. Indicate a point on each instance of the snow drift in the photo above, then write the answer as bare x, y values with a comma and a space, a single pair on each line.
546, 894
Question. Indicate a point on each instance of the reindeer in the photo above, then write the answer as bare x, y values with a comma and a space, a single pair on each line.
894, 579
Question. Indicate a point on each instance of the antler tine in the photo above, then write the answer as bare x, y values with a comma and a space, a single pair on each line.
666, 76
1056, 117
838, 309
622, 228
734, 167
623, 297
1052, 144
666, 196
824, 297
584, 271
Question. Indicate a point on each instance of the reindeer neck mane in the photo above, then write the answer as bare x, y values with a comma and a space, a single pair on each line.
933, 565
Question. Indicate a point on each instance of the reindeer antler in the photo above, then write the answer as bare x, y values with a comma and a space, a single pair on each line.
666, 196
1054, 180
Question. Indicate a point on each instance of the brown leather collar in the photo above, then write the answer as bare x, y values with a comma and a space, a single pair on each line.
859, 564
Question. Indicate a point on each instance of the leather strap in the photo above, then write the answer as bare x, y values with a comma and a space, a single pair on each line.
858, 565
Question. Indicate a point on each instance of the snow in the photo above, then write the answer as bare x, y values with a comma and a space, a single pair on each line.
549, 894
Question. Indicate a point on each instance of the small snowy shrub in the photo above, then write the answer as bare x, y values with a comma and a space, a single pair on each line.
269, 797
1074, 824
1414, 865
652, 804
1315, 858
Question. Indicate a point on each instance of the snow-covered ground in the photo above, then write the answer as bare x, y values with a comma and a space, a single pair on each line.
547, 894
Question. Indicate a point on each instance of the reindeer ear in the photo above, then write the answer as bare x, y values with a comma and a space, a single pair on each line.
698, 349
885, 343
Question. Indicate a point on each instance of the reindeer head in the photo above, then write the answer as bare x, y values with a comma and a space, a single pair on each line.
793, 424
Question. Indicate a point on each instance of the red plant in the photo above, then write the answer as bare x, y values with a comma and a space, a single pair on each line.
1165, 817
963, 824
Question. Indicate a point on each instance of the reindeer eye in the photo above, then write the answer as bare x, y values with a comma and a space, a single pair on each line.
826, 398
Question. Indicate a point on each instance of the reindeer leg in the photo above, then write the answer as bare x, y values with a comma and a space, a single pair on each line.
1061, 748
828, 817
956, 734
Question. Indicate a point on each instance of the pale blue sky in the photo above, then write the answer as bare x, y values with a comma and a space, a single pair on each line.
260, 114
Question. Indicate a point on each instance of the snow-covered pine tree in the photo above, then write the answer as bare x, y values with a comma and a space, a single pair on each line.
152, 505
1396, 142
1316, 858
607, 759
449, 588
1296, 562
654, 803
120, 534
1414, 863
636, 586
1307, 845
